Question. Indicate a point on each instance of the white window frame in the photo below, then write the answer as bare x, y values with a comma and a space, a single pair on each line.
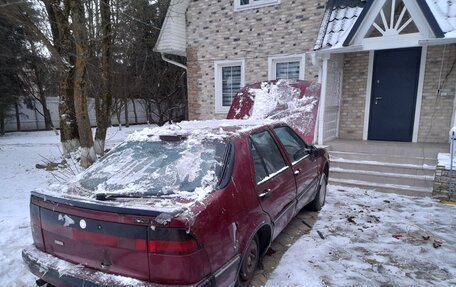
274, 60
257, 4
218, 65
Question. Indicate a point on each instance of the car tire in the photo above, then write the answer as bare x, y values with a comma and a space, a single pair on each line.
249, 263
320, 197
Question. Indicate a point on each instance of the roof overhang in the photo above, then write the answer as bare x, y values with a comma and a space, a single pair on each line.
429, 31
173, 38
438, 41
340, 50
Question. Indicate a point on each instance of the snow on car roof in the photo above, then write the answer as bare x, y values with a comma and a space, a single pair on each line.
209, 129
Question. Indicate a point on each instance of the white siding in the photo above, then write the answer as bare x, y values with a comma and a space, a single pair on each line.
172, 38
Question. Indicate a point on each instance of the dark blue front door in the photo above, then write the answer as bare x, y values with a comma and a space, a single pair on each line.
393, 99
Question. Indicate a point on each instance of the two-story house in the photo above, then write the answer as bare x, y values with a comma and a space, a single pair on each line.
229, 44
387, 67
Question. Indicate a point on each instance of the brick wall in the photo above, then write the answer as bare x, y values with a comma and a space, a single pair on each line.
437, 107
216, 32
353, 95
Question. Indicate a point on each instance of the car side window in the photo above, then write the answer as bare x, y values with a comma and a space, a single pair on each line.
296, 148
258, 164
266, 155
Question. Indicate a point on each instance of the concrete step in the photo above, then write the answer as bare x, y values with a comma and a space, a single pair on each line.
391, 188
406, 168
403, 149
378, 166
382, 178
386, 158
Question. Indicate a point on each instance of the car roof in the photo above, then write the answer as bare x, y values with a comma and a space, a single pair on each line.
210, 129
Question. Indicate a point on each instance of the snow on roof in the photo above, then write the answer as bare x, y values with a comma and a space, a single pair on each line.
341, 15
339, 18
444, 12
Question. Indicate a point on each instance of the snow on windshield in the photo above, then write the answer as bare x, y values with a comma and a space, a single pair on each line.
157, 168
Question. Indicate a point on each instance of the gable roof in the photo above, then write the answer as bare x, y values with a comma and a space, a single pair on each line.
338, 21
444, 12
343, 18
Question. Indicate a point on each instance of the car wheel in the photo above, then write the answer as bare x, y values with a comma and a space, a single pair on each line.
249, 263
320, 197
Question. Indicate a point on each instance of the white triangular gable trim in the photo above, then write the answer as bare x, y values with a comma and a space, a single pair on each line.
390, 39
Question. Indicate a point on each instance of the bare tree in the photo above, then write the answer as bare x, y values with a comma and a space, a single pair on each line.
88, 155
63, 50
105, 99
92, 42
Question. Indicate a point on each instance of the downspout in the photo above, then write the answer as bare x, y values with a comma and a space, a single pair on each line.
173, 62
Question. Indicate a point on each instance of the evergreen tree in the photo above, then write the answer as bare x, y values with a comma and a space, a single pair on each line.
13, 55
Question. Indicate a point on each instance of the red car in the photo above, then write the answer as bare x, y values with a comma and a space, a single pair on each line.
193, 205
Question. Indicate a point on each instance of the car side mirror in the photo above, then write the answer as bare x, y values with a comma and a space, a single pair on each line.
316, 152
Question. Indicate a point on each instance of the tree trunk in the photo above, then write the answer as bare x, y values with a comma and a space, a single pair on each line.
134, 110
60, 28
119, 111
150, 119
2, 123
88, 155
18, 116
103, 110
69, 135
127, 120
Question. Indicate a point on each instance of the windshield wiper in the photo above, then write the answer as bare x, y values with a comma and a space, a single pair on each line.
112, 196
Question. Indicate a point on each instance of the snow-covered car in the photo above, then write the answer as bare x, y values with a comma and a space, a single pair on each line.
194, 204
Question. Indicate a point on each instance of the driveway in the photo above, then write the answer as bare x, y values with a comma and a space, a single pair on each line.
365, 238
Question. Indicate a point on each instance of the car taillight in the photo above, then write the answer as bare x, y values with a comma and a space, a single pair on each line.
171, 241
35, 224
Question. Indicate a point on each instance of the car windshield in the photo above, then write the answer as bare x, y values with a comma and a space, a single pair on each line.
157, 168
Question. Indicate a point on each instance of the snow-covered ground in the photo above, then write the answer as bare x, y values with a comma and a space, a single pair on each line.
370, 239
374, 239
19, 154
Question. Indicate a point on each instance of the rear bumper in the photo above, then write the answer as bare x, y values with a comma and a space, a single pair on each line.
61, 273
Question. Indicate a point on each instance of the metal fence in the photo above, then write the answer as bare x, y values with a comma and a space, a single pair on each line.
31, 118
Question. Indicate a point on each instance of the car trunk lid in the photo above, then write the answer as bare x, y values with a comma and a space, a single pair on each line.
104, 240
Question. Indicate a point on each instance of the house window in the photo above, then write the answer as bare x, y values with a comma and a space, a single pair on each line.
246, 4
229, 79
286, 67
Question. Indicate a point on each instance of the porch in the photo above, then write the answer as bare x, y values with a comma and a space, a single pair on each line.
399, 167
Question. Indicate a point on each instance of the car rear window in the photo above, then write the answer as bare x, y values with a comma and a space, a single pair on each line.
157, 168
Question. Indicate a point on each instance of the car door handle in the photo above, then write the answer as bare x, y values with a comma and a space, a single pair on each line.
297, 172
265, 193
